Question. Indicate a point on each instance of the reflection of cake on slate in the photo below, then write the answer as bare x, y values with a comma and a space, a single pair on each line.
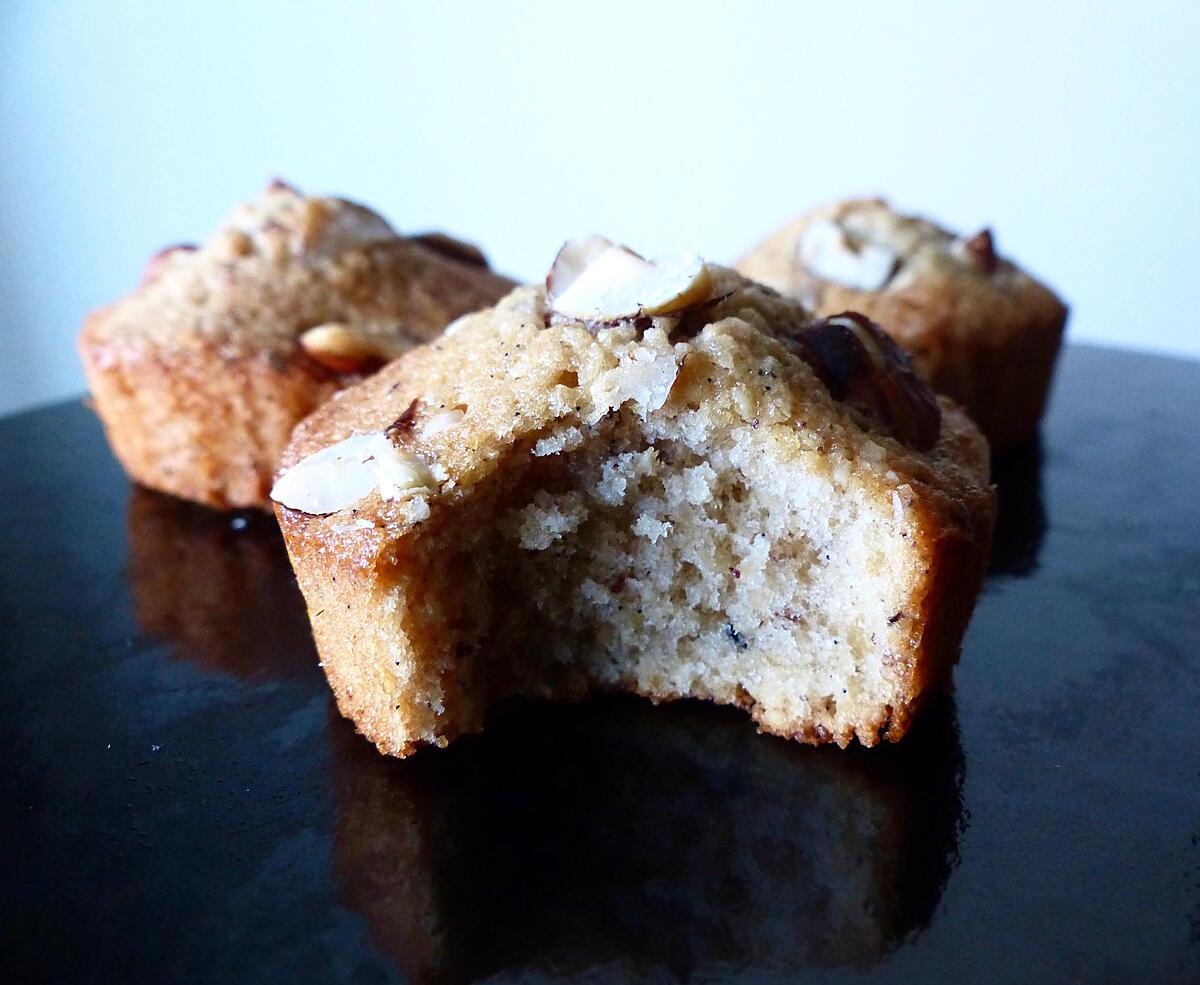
644, 841
656, 477
977, 326
216, 589
201, 373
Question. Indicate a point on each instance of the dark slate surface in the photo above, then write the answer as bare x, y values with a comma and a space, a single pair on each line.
180, 801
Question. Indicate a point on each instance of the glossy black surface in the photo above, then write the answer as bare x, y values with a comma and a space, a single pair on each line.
180, 801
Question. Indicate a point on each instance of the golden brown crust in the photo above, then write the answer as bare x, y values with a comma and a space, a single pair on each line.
368, 577
956, 543
199, 376
984, 333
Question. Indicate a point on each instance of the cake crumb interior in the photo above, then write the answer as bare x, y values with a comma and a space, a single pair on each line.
675, 556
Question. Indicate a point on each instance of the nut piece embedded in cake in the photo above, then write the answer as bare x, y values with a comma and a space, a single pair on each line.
834, 253
339, 476
344, 349
864, 367
571, 260
982, 251
593, 280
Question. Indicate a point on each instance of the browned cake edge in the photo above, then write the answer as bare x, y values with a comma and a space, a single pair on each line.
208, 422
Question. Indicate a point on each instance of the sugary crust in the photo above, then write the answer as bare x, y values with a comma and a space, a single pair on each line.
518, 380
989, 339
198, 375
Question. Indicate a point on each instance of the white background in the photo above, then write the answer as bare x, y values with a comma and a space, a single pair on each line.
1073, 129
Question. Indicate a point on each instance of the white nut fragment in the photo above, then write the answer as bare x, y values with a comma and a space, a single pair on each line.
592, 281
340, 475
399, 475
572, 260
828, 251
442, 422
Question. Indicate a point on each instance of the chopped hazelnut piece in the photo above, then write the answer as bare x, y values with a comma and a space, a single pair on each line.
982, 250
343, 348
594, 281
863, 366
832, 253
344, 473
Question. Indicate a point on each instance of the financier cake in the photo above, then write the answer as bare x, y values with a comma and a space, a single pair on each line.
648, 476
201, 373
979, 328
